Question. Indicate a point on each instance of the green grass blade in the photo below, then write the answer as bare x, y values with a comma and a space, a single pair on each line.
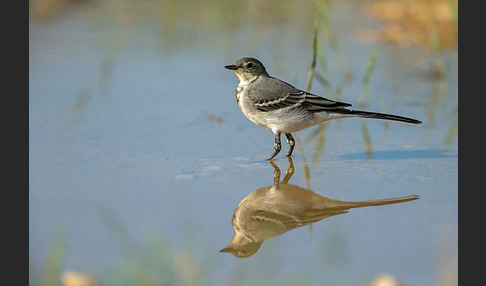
454, 12
367, 77
314, 53
54, 260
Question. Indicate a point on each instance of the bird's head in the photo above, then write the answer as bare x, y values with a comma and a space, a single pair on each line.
247, 69
242, 246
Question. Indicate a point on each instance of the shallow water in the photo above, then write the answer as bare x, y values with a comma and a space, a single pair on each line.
139, 155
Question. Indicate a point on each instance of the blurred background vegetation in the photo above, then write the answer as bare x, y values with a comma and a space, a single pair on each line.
184, 23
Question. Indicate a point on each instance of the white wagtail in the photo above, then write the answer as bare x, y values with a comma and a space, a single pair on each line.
276, 209
283, 108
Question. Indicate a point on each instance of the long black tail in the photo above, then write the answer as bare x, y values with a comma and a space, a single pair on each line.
385, 116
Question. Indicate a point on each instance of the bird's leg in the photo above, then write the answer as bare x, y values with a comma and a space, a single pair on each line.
276, 174
277, 145
290, 171
291, 142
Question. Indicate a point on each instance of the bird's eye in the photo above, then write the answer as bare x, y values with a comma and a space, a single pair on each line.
249, 65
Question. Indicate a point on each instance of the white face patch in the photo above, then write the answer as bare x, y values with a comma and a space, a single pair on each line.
245, 78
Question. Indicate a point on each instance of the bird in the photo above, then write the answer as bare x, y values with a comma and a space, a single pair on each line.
276, 209
282, 108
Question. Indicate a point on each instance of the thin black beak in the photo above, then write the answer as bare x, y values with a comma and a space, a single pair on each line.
231, 67
227, 249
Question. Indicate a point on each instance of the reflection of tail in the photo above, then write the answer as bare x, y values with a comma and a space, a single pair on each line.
377, 115
329, 207
381, 202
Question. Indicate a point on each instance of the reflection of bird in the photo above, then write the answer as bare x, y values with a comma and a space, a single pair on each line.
283, 108
276, 209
